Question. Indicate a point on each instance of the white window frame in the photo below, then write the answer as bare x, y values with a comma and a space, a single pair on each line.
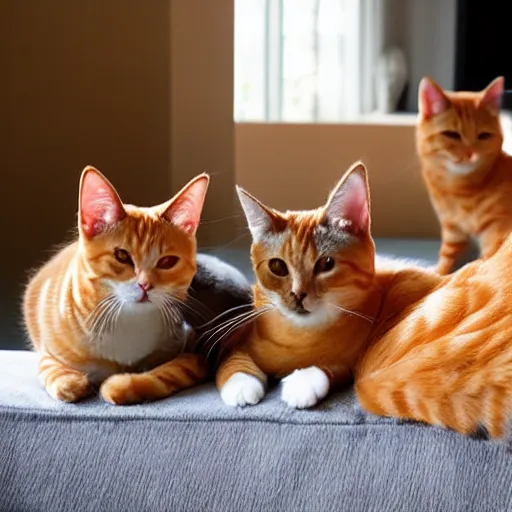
364, 37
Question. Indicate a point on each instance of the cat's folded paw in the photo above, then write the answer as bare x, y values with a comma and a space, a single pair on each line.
305, 388
120, 389
70, 387
242, 389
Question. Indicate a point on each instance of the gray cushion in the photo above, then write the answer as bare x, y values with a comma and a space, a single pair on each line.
193, 453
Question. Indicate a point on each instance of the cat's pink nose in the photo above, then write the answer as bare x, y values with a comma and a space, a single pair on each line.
146, 286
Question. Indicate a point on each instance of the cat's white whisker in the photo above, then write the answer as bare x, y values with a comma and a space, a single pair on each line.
164, 313
159, 302
256, 314
235, 324
226, 323
97, 310
117, 315
97, 317
104, 316
104, 321
355, 313
224, 313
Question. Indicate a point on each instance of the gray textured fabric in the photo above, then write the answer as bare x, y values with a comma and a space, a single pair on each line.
192, 453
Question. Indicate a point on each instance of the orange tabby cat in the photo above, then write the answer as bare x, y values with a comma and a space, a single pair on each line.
468, 176
446, 359
107, 305
314, 271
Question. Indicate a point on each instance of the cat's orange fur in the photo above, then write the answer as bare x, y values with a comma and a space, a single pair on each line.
67, 303
328, 333
446, 359
468, 176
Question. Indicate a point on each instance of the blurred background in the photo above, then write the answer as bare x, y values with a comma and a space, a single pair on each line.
279, 96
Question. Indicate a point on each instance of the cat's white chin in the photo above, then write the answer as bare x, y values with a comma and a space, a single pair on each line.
461, 169
322, 314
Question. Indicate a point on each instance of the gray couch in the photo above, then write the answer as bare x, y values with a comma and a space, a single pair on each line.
193, 453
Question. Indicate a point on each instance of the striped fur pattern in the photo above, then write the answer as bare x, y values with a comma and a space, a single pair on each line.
105, 310
314, 297
468, 176
446, 358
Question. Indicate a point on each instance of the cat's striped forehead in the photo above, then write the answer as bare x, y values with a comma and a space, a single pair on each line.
145, 234
308, 234
145, 226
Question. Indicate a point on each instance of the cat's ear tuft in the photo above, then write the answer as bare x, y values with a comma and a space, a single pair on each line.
260, 219
185, 208
99, 205
349, 203
491, 95
431, 98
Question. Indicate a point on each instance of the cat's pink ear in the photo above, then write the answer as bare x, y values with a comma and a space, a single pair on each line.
349, 202
431, 99
261, 219
99, 205
185, 208
491, 95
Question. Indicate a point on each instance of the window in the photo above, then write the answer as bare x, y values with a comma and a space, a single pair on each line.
308, 61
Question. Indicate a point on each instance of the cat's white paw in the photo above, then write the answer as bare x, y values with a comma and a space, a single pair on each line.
305, 388
242, 389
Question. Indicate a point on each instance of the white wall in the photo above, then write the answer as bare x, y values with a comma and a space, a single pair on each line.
430, 43
425, 30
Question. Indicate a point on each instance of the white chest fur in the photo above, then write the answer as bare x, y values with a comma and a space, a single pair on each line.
138, 332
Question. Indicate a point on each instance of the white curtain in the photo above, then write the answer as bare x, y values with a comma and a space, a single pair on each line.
306, 60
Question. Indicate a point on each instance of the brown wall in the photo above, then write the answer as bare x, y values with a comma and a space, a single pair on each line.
293, 166
83, 83
202, 126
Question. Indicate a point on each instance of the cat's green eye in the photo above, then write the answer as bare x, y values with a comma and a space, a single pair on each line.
167, 262
484, 135
324, 265
452, 134
278, 267
123, 256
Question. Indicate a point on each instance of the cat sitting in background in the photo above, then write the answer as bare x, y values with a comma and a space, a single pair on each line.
468, 176
109, 308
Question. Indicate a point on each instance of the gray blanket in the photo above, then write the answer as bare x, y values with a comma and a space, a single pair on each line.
193, 453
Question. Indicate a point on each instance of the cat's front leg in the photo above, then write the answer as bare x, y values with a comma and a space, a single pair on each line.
182, 372
453, 243
240, 381
63, 382
306, 387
